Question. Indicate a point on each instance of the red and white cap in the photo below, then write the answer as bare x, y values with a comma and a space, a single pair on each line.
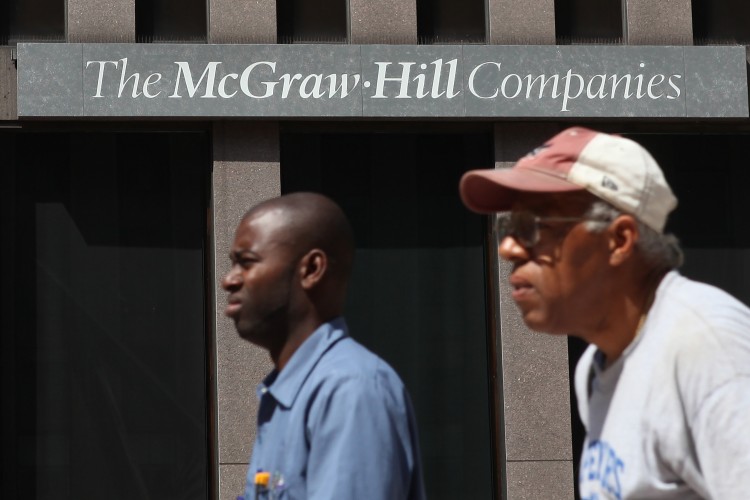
617, 170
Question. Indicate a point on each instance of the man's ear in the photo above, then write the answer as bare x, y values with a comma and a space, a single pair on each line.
313, 267
623, 236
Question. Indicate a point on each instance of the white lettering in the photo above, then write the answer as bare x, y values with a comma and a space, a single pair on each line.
675, 87
184, 70
639, 80
403, 79
420, 78
437, 74
471, 81
601, 93
287, 80
246, 75
124, 80
616, 82
542, 85
149, 82
655, 81
344, 87
315, 92
101, 74
453, 63
222, 85
566, 94
519, 86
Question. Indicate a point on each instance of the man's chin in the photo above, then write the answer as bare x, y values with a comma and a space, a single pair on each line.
542, 327
531, 318
245, 332
251, 333
537, 323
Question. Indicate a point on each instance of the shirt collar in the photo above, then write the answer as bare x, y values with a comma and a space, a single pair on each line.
284, 385
599, 357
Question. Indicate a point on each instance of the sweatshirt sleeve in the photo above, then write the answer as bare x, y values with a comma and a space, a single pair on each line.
720, 429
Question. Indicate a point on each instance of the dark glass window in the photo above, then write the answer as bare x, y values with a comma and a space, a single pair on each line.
588, 21
170, 21
417, 295
104, 385
726, 21
707, 173
32, 21
449, 22
303, 21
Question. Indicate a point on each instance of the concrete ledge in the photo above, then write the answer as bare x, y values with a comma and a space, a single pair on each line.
93, 21
245, 172
540, 480
666, 22
531, 22
240, 21
383, 21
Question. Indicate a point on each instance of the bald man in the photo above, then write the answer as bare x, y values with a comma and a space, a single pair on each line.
334, 421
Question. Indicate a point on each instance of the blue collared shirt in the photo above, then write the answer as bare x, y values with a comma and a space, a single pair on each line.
335, 424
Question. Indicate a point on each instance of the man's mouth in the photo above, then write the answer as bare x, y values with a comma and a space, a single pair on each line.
521, 288
233, 307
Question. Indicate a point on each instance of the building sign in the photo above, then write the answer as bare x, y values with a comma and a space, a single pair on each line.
390, 81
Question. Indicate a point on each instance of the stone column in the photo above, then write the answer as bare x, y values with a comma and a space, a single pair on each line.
95, 21
535, 395
245, 172
530, 22
383, 21
242, 21
663, 22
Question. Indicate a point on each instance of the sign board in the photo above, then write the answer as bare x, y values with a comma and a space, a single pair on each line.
380, 81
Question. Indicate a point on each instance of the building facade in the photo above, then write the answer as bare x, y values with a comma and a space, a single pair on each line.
136, 133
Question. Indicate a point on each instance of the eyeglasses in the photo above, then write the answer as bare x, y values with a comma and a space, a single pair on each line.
524, 226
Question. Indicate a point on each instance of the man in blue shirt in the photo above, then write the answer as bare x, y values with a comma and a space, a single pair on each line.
335, 421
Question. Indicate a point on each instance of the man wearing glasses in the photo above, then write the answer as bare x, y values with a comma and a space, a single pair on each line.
664, 386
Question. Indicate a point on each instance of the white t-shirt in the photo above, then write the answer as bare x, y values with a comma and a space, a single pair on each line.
671, 417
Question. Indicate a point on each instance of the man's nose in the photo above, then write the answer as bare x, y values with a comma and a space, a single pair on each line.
231, 280
510, 249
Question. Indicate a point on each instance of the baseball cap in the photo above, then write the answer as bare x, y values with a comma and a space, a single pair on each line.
617, 170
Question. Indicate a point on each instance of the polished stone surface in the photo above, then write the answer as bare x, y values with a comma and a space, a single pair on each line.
50, 89
374, 81
249, 80
245, 172
540, 480
531, 22
662, 22
723, 94
242, 21
536, 391
231, 481
534, 366
383, 21
575, 81
412, 80
101, 21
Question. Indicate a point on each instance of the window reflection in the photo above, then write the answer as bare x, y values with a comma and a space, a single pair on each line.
103, 345
417, 295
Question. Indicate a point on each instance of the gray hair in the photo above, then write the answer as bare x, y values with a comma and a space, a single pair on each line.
660, 250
